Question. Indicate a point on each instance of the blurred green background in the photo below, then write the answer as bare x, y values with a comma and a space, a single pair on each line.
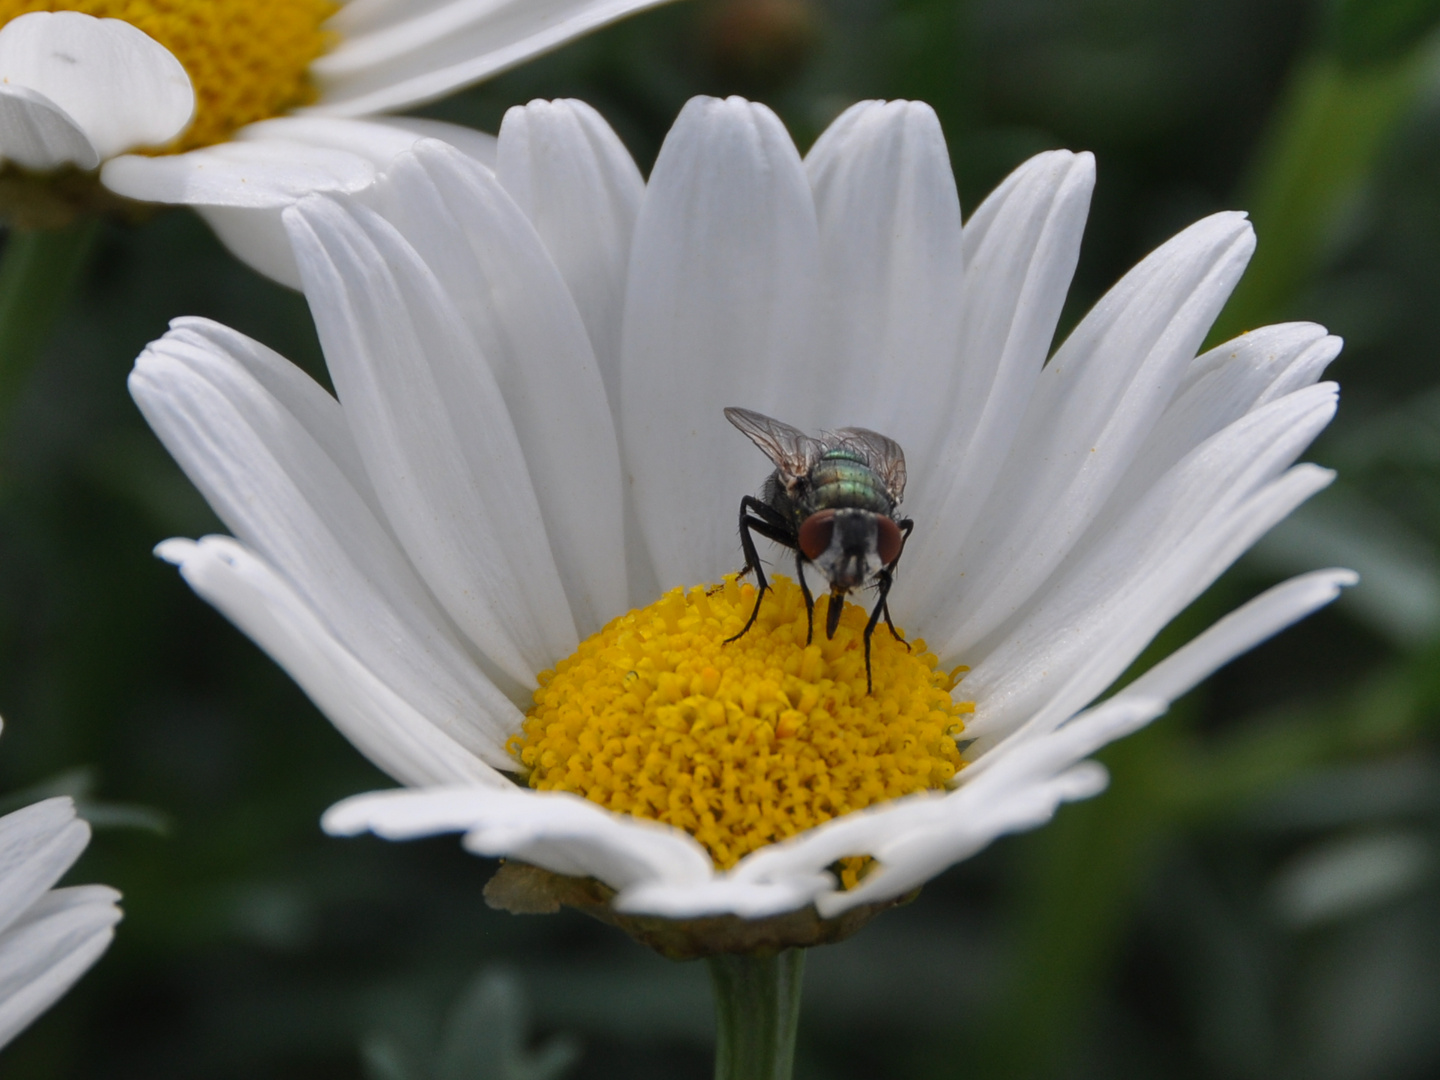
1257, 895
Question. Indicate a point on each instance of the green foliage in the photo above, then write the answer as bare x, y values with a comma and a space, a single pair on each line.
1364, 32
484, 1037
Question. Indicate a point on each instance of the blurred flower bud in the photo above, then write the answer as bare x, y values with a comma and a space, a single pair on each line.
756, 45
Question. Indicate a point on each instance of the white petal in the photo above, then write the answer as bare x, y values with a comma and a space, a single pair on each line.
393, 55
270, 452
718, 311
255, 236
891, 271
496, 272
347, 153
381, 724
35, 133
1240, 631
580, 188
121, 87
1143, 571
1020, 250
725, 895
448, 469
914, 838
49, 948
1220, 387
37, 845
560, 832
480, 145
1117, 631
662, 871
1094, 405
262, 174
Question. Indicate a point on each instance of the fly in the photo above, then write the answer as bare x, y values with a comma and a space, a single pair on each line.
831, 500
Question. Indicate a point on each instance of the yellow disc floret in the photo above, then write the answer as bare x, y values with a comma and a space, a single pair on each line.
746, 743
247, 59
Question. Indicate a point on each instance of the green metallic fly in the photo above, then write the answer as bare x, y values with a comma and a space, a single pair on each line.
831, 500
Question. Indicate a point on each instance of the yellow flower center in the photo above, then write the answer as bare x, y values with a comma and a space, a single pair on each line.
247, 59
746, 743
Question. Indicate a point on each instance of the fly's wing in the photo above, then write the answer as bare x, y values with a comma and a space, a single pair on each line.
882, 454
792, 451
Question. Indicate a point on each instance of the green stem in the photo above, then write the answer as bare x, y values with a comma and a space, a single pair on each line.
38, 272
757, 1012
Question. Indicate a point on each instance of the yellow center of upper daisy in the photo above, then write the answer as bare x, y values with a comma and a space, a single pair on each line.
746, 743
247, 59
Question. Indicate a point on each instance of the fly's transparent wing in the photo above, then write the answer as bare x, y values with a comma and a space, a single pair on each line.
882, 454
792, 451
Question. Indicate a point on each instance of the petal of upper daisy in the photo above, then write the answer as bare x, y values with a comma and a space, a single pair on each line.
497, 274
1020, 250
719, 310
381, 724
435, 434
37, 845
395, 53
559, 832
891, 272
1118, 590
261, 174
269, 450
577, 183
1094, 405
35, 133
241, 187
119, 87
49, 947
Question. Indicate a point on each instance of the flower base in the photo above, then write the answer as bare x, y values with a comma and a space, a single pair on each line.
528, 890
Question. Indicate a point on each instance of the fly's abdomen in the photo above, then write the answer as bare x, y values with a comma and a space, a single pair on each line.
841, 480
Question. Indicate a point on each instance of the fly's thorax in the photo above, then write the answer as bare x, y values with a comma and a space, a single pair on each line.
841, 479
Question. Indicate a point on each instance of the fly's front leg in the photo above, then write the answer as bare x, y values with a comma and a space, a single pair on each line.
906, 527
768, 524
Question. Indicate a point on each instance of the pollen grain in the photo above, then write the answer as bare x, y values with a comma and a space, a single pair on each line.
247, 59
747, 743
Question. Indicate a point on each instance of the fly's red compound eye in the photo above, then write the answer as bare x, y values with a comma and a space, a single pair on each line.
889, 541
815, 534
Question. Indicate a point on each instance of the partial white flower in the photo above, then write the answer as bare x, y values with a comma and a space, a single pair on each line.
48, 937
531, 364
81, 91
75, 90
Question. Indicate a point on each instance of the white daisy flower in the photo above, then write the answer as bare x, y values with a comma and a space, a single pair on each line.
48, 937
531, 364
247, 104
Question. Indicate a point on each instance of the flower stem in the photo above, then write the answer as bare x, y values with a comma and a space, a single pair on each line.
38, 271
757, 1012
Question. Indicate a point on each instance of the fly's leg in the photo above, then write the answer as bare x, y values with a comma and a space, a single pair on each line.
805, 592
906, 527
885, 607
756, 516
881, 605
